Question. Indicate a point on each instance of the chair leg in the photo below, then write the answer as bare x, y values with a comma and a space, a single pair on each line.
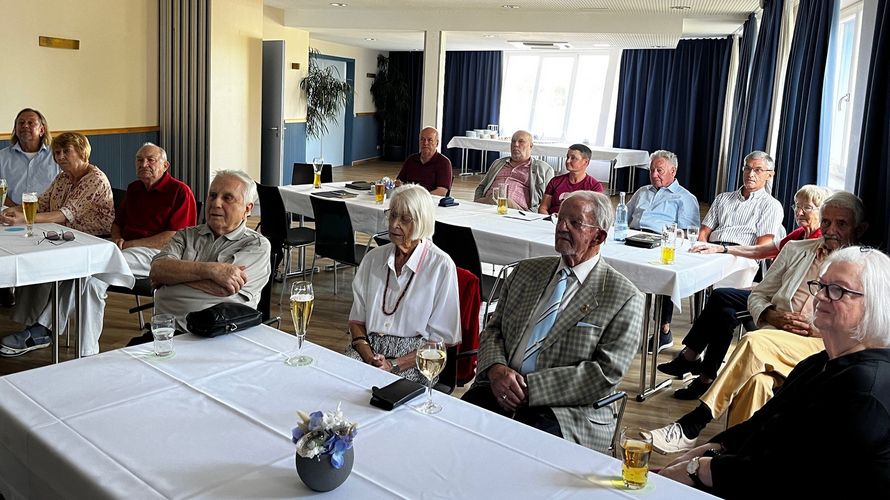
335, 277
141, 318
285, 273
312, 269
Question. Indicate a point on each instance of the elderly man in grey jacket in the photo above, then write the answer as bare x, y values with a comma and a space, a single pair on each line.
525, 177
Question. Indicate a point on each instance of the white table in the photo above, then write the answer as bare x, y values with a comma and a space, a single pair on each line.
617, 157
27, 261
215, 421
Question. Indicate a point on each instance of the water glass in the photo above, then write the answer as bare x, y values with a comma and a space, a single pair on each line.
692, 236
163, 327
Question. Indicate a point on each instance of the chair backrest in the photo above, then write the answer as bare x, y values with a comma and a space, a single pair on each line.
199, 212
273, 219
334, 237
303, 173
118, 195
470, 302
458, 242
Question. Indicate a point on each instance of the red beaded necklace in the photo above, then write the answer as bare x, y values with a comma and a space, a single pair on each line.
401, 296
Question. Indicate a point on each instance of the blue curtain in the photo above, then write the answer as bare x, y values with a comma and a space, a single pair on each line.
410, 66
673, 99
472, 97
740, 98
873, 177
797, 160
753, 124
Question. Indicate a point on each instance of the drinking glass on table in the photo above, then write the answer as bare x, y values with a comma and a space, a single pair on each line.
379, 192
668, 243
3, 189
692, 236
636, 447
29, 209
317, 164
430, 359
163, 326
503, 193
301, 301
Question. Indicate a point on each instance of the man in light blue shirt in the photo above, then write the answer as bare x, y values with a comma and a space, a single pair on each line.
663, 202
28, 164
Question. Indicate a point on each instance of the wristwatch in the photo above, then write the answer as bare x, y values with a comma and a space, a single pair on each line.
395, 367
725, 250
692, 470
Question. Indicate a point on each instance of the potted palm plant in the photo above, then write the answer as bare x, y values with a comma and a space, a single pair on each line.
326, 94
390, 94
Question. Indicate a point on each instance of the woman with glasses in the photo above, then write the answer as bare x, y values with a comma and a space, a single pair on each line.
827, 432
404, 291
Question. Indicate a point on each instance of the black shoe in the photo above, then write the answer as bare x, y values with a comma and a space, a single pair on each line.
7, 297
665, 341
693, 391
679, 366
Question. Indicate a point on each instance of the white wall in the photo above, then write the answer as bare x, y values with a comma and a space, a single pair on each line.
365, 62
111, 82
236, 60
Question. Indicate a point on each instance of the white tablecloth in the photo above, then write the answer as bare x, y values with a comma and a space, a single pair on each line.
621, 157
215, 420
26, 261
505, 239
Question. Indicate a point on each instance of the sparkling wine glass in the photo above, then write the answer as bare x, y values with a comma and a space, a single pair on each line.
430, 360
301, 300
317, 164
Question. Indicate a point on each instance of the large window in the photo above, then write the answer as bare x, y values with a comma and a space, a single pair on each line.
566, 97
847, 49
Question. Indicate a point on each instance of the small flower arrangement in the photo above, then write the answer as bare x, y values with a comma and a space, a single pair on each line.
324, 433
388, 183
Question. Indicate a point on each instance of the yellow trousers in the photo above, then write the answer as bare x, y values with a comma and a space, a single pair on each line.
759, 365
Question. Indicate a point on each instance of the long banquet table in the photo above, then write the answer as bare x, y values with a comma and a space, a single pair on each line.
214, 421
27, 261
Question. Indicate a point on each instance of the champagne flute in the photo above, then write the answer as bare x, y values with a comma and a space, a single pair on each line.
3, 189
301, 300
317, 164
29, 209
430, 359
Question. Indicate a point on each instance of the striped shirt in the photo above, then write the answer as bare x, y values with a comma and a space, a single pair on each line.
733, 219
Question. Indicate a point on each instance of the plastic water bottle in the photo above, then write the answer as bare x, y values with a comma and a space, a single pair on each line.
621, 219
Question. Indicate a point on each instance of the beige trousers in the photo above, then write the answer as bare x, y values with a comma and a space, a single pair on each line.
759, 364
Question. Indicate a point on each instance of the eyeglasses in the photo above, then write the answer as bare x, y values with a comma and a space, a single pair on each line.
832, 291
577, 224
803, 208
57, 238
391, 216
757, 171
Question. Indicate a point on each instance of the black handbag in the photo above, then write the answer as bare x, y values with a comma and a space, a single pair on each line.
395, 394
223, 318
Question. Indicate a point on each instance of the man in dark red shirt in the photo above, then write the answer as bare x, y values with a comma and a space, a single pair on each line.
429, 168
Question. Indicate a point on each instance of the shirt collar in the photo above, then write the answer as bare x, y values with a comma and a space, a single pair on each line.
416, 259
582, 270
672, 187
18, 146
760, 193
233, 235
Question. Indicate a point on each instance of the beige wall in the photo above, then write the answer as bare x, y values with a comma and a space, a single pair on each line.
365, 62
236, 60
111, 82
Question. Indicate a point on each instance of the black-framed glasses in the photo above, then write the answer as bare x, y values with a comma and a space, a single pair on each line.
832, 291
57, 238
391, 216
757, 171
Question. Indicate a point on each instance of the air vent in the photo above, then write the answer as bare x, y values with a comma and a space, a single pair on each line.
540, 45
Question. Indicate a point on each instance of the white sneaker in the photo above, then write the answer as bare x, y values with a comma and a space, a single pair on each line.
670, 439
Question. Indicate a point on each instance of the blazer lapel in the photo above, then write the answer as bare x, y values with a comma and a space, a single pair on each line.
531, 288
582, 304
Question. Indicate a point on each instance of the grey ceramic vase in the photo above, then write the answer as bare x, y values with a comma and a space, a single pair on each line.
318, 474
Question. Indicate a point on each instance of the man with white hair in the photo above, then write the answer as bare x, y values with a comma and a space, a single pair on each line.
564, 333
220, 261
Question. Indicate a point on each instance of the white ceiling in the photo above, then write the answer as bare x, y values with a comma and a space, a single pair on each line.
637, 23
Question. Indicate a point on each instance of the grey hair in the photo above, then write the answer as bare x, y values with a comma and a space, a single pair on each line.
760, 155
249, 185
599, 204
151, 144
813, 193
416, 200
849, 201
434, 129
874, 266
667, 155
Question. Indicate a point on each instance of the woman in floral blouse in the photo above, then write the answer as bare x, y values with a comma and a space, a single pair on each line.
79, 197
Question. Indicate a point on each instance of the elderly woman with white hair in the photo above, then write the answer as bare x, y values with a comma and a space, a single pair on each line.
827, 432
404, 291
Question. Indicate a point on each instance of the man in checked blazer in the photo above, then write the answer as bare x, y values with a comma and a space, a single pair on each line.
586, 351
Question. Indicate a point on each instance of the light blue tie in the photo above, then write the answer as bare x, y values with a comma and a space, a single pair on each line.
544, 323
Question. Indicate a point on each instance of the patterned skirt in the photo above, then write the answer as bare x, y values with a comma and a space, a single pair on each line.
392, 347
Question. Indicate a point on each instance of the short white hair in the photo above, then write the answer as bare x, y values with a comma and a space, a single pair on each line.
248, 190
849, 201
874, 267
597, 203
417, 202
667, 155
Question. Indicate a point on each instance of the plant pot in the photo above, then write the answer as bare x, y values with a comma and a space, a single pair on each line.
318, 474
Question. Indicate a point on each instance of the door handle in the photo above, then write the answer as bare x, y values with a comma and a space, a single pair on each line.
272, 128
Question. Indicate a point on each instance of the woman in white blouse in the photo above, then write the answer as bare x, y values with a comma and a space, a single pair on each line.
404, 291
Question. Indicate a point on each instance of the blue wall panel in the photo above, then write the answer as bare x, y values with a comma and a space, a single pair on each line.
294, 149
364, 138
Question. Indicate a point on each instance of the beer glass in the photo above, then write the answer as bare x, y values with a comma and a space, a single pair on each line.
502, 195
317, 164
379, 192
301, 300
29, 208
668, 243
430, 360
636, 447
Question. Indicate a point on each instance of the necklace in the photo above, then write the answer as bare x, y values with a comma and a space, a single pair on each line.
401, 296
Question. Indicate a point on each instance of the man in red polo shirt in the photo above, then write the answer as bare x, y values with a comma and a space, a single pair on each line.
429, 168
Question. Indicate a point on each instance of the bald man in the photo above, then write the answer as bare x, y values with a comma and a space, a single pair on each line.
429, 168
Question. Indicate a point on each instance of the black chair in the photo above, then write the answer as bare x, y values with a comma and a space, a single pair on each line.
275, 226
458, 242
334, 237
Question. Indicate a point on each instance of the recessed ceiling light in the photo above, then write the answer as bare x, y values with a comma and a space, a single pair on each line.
370, 39
680, 7
659, 46
338, 4
487, 36
510, 6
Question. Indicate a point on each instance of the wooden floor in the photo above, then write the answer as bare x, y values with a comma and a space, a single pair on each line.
328, 324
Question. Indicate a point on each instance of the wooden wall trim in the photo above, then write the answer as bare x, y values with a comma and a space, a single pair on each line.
100, 131
366, 113
295, 120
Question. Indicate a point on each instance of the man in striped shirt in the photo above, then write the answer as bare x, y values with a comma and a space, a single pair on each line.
750, 215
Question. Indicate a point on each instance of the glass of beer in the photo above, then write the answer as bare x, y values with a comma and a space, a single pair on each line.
29, 208
379, 192
430, 360
636, 446
502, 195
668, 243
317, 164
3, 189
301, 299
